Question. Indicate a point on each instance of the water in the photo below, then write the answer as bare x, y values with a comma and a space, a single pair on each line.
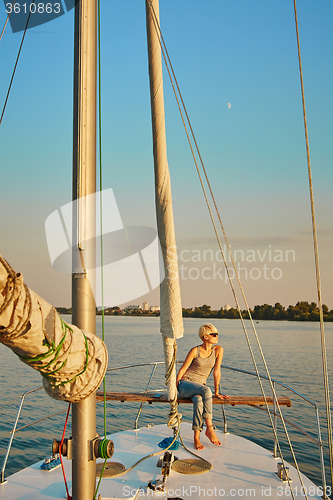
293, 355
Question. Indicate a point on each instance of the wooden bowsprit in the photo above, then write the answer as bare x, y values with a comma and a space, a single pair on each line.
161, 397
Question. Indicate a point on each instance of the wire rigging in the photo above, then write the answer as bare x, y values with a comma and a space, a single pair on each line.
16, 62
6, 22
168, 63
101, 182
69, 497
99, 98
316, 255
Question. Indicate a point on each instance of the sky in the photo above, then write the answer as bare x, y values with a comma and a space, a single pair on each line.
236, 64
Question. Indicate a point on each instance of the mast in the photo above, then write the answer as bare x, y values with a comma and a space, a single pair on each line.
84, 221
171, 310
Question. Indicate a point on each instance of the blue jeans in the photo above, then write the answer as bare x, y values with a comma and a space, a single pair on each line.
201, 396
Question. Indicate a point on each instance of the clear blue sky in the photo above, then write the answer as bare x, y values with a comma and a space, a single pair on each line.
223, 51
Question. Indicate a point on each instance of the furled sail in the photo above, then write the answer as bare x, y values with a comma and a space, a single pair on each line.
171, 309
72, 362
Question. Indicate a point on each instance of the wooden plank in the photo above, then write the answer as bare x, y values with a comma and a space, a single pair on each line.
160, 397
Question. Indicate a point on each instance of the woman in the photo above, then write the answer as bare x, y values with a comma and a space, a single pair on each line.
191, 381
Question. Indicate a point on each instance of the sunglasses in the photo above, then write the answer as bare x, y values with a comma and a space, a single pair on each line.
213, 334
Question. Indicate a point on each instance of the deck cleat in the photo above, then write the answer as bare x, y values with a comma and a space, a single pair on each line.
51, 463
283, 472
157, 485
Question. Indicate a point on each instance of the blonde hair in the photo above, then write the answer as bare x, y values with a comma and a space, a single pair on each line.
206, 330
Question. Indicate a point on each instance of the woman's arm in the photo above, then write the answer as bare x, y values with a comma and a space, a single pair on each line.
189, 358
217, 372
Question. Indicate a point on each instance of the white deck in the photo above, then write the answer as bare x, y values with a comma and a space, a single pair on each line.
241, 469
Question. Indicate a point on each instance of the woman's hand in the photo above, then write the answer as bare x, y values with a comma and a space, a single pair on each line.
221, 396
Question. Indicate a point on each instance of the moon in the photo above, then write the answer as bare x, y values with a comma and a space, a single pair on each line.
228, 105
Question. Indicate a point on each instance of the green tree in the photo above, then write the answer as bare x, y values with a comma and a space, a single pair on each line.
187, 313
202, 312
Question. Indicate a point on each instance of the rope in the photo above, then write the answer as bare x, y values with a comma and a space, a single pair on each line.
168, 62
102, 448
316, 255
56, 351
42, 357
177, 433
17, 59
174, 416
99, 97
191, 452
84, 369
9, 13
153, 454
101, 184
60, 448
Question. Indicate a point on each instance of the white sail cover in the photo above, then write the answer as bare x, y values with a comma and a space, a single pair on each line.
171, 320
71, 361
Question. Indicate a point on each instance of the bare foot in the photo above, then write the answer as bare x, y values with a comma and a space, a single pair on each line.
197, 444
210, 433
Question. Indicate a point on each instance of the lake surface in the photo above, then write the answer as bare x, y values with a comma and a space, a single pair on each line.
293, 355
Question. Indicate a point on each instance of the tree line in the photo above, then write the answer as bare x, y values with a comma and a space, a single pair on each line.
302, 311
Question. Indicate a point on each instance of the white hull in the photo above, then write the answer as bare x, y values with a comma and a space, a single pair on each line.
240, 469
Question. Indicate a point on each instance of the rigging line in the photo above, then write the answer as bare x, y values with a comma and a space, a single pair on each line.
101, 185
157, 27
17, 59
208, 206
230, 254
101, 213
218, 214
152, 454
210, 189
257, 338
177, 433
60, 453
316, 254
9, 13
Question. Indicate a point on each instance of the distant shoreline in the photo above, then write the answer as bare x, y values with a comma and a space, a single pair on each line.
302, 311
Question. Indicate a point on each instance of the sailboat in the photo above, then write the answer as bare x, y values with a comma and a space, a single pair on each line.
133, 444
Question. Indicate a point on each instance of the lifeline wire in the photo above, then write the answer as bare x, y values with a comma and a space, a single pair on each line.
316, 255
17, 59
220, 246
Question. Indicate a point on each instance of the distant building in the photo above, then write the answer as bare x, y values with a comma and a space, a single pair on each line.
145, 306
154, 308
132, 308
227, 307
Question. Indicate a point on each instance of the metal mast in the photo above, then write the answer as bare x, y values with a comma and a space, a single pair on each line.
84, 221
